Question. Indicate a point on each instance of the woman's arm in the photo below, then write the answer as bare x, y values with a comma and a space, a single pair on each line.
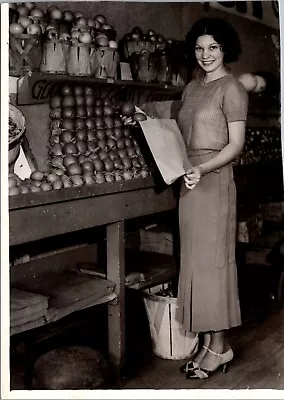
230, 151
226, 155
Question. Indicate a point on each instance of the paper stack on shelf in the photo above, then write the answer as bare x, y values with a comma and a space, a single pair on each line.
27, 310
70, 291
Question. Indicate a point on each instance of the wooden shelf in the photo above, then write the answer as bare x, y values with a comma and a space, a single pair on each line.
37, 87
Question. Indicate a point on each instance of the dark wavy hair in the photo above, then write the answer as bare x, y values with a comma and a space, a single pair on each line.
222, 31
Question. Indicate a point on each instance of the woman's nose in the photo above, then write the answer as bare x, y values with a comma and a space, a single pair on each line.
205, 53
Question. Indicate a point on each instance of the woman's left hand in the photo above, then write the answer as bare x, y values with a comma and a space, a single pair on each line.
192, 177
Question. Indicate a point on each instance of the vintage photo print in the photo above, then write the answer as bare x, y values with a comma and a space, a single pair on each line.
142, 208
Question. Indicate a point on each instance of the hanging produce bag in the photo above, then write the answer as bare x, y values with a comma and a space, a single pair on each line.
167, 146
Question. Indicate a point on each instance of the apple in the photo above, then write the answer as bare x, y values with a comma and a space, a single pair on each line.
261, 84
23, 11
68, 16
91, 22
16, 28
150, 32
74, 41
29, 6
160, 39
106, 27
75, 34
34, 29
56, 13
97, 25
249, 81
25, 22
82, 21
100, 18
102, 40
113, 44
65, 36
78, 14
52, 34
85, 38
152, 39
37, 13
135, 36
50, 26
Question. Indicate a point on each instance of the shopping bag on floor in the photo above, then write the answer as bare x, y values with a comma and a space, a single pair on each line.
167, 146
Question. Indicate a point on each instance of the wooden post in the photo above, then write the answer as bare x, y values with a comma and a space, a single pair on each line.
116, 309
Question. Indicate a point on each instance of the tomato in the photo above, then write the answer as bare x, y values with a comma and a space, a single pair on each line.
127, 109
74, 169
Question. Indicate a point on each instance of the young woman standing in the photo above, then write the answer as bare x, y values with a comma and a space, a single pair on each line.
212, 121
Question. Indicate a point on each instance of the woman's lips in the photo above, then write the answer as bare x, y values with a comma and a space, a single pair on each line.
207, 62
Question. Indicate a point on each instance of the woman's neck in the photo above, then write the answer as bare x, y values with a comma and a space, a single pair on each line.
212, 76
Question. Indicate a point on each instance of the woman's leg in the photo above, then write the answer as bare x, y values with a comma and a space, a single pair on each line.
218, 344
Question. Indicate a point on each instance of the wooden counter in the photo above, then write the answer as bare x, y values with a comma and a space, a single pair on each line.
47, 214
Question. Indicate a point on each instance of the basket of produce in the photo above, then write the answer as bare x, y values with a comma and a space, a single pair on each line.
16, 132
25, 39
25, 53
105, 62
170, 340
55, 56
80, 59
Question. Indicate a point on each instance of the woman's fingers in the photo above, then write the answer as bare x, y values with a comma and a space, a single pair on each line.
190, 183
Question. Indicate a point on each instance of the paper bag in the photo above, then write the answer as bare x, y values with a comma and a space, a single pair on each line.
167, 146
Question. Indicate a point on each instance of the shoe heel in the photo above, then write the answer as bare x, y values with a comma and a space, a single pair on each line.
225, 368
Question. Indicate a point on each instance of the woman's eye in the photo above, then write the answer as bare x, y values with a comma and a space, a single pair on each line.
212, 48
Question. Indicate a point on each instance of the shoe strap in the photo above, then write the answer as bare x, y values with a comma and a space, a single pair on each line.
211, 351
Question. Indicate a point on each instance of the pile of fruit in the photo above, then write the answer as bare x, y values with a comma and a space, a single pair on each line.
152, 57
27, 18
136, 41
262, 145
74, 27
91, 142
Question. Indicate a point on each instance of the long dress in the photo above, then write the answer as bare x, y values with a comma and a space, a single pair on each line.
208, 287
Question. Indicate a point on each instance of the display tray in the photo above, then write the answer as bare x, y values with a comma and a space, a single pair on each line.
75, 193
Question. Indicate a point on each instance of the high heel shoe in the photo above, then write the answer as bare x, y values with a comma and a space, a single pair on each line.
201, 373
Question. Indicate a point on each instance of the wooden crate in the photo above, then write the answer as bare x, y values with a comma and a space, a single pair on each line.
25, 53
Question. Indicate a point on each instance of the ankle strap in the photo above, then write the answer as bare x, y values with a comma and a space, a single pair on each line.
211, 351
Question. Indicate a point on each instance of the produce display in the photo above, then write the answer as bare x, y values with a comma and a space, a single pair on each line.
151, 56
63, 25
261, 145
91, 142
68, 42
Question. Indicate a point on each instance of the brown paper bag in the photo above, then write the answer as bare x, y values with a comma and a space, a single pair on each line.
167, 146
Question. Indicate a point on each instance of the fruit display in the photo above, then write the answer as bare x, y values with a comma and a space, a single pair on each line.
262, 145
151, 56
27, 19
25, 38
91, 142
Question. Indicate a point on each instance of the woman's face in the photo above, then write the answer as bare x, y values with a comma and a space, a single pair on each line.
209, 54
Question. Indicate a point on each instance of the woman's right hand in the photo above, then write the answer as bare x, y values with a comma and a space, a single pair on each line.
192, 177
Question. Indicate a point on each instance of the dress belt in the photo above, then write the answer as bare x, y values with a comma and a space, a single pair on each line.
201, 152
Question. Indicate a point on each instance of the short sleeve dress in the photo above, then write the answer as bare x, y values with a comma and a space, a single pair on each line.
208, 288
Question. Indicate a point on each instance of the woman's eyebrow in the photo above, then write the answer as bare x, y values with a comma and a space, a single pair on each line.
211, 44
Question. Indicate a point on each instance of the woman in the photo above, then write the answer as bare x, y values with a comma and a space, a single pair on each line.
212, 121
